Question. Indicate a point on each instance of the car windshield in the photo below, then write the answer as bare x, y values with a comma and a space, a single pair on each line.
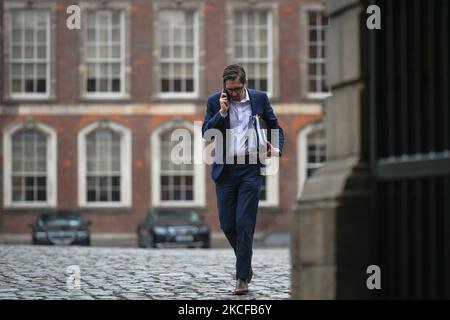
59, 221
176, 216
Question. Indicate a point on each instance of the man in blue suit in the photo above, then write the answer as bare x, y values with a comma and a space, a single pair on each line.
236, 174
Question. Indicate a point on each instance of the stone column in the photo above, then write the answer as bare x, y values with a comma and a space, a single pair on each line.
330, 240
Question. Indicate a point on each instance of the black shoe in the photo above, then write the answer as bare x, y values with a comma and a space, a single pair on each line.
241, 287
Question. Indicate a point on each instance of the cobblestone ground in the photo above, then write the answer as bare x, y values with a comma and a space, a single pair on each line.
40, 272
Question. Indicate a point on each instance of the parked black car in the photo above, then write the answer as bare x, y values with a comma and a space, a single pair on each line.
61, 227
173, 228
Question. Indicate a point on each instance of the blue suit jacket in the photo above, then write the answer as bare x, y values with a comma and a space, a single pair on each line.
213, 120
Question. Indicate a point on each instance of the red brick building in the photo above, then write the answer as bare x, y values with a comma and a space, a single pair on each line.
86, 114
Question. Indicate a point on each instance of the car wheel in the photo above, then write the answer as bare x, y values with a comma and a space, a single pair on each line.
140, 242
145, 239
152, 242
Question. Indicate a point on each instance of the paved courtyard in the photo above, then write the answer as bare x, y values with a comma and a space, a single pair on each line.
41, 272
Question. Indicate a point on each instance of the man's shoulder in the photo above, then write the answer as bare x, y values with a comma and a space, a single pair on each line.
256, 93
214, 97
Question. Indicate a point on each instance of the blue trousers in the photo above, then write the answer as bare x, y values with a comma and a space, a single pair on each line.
237, 191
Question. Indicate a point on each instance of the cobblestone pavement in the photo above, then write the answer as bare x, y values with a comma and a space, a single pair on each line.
40, 272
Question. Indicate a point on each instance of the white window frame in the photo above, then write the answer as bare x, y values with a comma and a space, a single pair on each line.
302, 149
52, 152
304, 52
123, 58
125, 165
199, 166
272, 184
270, 44
48, 8
196, 59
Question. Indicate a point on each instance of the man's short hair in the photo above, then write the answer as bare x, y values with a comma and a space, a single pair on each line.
233, 72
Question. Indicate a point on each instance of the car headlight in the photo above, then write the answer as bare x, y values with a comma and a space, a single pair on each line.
159, 230
203, 229
82, 234
41, 235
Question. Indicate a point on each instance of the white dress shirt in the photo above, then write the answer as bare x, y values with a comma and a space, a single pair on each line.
240, 113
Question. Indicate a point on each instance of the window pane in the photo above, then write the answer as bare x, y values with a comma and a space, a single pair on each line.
238, 18
103, 155
263, 18
41, 195
312, 69
29, 41
16, 70
29, 85
316, 52
251, 53
115, 52
103, 52
116, 181
29, 35
189, 85
91, 195
16, 35
177, 51
104, 42
115, 34
29, 157
189, 51
91, 51
250, 18
41, 182
312, 18
91, 85
189, 180
42, 35
91, 35
255, 45
189, 35
42, 52
177, 85
115, 18
312, 35
115, 195
102, 70
102, 34
103, 85
17, 19
29, 52
239, 52
313, 51
17, 51
312, 85
16, 85
177, 42
263, 85
41, 70
115, 85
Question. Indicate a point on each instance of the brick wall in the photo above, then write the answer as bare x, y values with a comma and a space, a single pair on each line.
214, 58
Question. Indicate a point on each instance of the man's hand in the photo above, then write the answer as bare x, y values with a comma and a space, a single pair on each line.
223, 103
